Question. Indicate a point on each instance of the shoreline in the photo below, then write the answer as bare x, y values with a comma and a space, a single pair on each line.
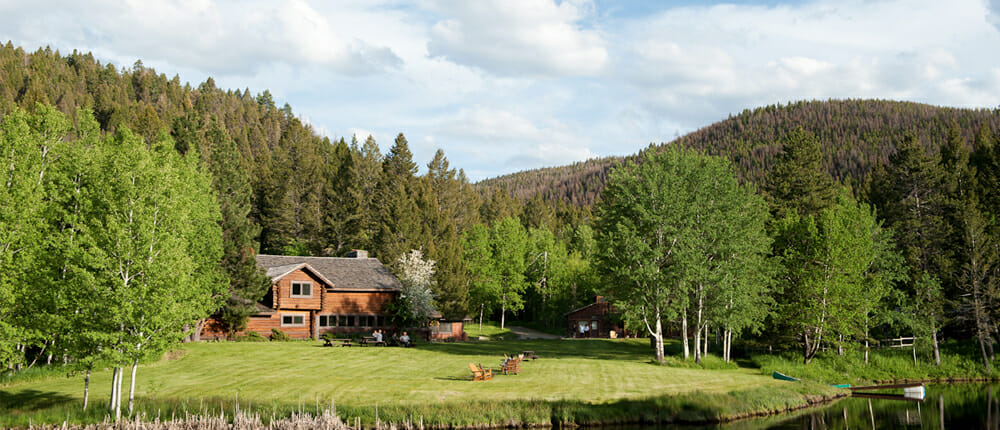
683, 409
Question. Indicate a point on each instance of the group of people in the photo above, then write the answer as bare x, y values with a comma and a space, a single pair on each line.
403, 340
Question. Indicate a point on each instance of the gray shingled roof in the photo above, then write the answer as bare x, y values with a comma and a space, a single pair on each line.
344, 273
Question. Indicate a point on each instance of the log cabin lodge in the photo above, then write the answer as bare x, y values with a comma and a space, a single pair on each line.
310, 296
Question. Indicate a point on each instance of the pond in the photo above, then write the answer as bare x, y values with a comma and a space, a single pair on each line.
946, 406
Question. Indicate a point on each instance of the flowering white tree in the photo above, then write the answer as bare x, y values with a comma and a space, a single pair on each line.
416, 301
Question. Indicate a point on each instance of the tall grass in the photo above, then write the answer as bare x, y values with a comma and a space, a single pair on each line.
240, 420
212, 413
958, 361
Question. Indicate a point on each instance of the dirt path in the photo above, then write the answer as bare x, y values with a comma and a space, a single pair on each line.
527, 333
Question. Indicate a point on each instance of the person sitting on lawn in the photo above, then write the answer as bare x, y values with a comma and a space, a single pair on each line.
405, 339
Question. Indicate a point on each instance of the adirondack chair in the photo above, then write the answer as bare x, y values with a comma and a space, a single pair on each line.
480, 374
512, 365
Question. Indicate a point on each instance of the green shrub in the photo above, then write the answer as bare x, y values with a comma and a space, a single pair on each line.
278, 335
254, 337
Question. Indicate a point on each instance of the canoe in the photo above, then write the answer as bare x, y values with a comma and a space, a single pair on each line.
911, 390
914, 392
783, 377
841, 385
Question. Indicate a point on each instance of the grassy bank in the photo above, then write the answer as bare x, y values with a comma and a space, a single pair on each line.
959, 361
578, 381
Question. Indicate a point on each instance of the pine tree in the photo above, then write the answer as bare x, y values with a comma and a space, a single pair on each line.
399, 227
292, 215
499, 205
446, 212
798, 181
914, 202
341, 203
231, 183
368, 173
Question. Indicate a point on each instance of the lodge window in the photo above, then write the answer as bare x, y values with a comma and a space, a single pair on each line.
301, 289
352, 320
293, 320
367, 320
345, 321
327, 320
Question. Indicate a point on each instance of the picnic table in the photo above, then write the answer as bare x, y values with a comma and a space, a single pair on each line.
370, 340
337, 342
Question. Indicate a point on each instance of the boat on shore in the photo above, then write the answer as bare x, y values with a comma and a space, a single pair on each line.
911, 391
783, 377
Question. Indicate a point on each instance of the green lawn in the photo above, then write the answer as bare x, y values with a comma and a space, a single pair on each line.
489, 330
589, 371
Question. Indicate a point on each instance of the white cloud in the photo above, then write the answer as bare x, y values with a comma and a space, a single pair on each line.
697, 64
519, 37
507, 85
218, 38
993, 12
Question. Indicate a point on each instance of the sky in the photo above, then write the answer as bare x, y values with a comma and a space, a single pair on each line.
508, 85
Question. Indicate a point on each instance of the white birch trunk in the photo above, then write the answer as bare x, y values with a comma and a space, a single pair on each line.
86, 387
867, 346
704, 353
118, 395
684, 334
698, 326
659, 339
503, 311
697, 338
731, 336
114, 383
131, 389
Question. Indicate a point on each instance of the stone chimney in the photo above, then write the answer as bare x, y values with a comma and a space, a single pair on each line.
357, 253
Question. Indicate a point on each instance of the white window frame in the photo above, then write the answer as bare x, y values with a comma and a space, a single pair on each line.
293, 317
300, 284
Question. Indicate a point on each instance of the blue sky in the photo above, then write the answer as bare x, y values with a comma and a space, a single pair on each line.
508, 85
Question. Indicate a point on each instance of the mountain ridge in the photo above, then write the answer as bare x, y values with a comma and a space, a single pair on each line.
855, 134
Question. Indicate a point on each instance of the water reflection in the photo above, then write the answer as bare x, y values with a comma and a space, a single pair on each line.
956, 406
952, 406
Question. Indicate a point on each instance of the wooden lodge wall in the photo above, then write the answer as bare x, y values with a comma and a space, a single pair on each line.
353, 306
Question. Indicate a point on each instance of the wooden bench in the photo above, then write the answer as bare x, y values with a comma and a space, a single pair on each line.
480, 374
337, 342
370, 340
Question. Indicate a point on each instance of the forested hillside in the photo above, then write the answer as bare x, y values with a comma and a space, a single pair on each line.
853, 135
282, 188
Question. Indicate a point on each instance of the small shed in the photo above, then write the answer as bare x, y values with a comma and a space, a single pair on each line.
593, 320
448, 329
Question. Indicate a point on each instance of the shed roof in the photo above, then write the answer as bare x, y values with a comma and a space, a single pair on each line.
604, 304
351, 274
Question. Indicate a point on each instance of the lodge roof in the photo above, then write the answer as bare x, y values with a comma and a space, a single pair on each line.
582, 308
350, 274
